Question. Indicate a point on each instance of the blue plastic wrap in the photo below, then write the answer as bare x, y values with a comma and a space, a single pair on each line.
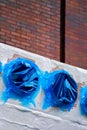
83, 100
60, 90
21, 78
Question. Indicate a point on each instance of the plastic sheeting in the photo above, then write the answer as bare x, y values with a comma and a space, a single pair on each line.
60, 90
83, 100
21, 78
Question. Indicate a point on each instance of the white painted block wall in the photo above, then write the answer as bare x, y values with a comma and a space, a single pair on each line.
13, 116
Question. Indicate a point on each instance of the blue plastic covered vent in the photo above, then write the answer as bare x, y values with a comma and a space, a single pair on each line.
83, 100
21, 76
63, 90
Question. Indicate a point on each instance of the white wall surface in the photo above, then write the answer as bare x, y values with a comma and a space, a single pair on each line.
13, 116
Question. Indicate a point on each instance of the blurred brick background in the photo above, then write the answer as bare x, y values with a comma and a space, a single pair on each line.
34, 25
76, 33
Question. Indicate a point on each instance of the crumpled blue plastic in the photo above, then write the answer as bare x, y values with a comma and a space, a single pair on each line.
83, 100
60, 90
21, 78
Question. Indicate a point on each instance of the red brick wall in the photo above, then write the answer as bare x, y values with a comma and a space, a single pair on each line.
76, 33
33, 25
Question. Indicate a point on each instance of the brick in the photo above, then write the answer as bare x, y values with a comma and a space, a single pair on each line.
5, 31
32, 25
25, 36
15, 41
76, 33
10, 43
15, 34
2, 33
25, 44
11, 21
